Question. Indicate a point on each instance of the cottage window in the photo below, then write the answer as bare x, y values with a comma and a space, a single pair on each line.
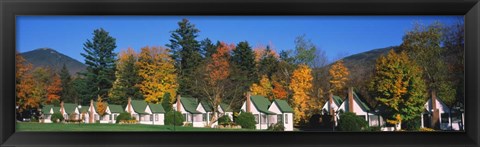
286, 118
256, 118
456, 117
444, 118
151, 117
264, 119
279, 118
204, 115
185, 117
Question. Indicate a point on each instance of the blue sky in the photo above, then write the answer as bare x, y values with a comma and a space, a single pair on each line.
336, 35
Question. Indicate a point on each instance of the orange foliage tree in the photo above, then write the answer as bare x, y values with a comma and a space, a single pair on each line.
263, 88
301, 86
54, 89
101, 106
215, 81
279, 91
25, 85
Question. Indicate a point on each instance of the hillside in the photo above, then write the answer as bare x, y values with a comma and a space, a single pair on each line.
47, 57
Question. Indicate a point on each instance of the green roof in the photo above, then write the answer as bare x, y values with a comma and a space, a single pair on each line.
190, 104
362, 104
70, 107
156, 108
283, 106
337, 100
226, 107
115, 108
261, 103
84, 109
139, 106
46, 109
207, 106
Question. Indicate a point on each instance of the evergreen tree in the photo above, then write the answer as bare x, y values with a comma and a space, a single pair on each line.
208, 48
268, 63
167, 105
243, 60
100, 61
126, 78
185, 51
67, 91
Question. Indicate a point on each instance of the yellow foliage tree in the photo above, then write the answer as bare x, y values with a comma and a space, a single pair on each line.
157, 70
101, 106
338, 76
263, 88
301, 86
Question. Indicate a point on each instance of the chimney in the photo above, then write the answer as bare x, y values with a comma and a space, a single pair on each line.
178, 102
435, 115
330, 103
350, 99
62, 109
247, 103
129, 105
91, 112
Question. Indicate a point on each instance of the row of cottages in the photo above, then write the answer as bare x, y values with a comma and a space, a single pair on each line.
146, 113
199, 113
268, 113
438, 115
69, 111
335, 106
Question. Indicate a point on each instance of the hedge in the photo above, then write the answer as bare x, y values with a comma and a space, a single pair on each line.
246, 120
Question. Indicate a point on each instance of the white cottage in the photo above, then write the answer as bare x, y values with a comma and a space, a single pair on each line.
207, 112
258, 106
146, 113
331, 106
284, 113
437, 115
192, 112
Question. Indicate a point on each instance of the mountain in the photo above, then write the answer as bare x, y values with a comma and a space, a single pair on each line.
47, 57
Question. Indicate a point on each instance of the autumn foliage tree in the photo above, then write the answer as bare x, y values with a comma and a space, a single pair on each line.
338, 76
101, 106
398, 86
54, 89
301, 86
215, 81
263, 88
158, 73
24, 85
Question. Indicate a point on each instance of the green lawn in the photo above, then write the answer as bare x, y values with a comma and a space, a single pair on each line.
60, 127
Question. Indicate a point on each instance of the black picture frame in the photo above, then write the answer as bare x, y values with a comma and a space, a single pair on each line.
11, 8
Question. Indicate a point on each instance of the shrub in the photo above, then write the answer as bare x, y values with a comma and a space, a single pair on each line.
57, 117
351, 122
123, 117
373, 129
188, 125
224, 120
276, 127
246, 120
173, 118
413, 124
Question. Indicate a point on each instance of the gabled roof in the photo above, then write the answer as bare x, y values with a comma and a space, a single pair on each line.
360, 103
190, 104
115, 109
156, 108
337, 100
226, 107
84, 109
261, 103
70, 107
139, 106
46, 109
207, 106
283, 106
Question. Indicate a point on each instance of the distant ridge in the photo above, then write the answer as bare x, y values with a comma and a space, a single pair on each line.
47, 57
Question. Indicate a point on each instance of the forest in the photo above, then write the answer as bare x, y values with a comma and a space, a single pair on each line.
430, 58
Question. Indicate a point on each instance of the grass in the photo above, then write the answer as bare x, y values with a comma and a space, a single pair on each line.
61, 127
